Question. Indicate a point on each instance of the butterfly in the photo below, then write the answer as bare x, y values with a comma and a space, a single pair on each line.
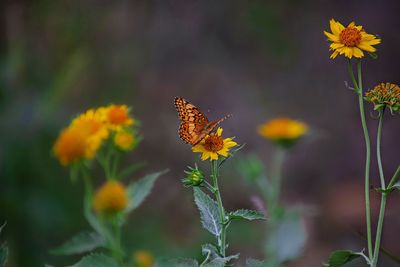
194, 124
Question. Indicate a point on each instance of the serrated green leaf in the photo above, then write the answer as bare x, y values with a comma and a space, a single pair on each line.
209, 249
177, 263
139, 190
208, 212
221, 261
244, 214
341, 257
96, 260
82, 242
254, 263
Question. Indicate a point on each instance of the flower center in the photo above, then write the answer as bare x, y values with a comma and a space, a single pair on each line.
350, 36
214, 143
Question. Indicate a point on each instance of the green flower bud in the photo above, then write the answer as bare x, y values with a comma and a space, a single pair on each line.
194, 177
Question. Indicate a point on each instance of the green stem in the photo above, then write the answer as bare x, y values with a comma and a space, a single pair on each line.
359, 90
222, 216
272, 204
384, 194
117, 248
276, 177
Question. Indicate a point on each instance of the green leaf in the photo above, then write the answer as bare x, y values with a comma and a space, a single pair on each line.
287, 240
341, 257
244, 214
221, 261
177, 263
130, 169
208, 212
82, 242
139, 190
96, 260
211, 250
254, 263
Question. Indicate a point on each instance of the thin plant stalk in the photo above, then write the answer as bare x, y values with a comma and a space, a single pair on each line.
276, 177
359, 91
273, 201
221, 210
383, 187
117, 249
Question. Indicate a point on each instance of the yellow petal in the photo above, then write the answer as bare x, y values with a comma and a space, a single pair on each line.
368, 37
205, 155
348, 52
198, 148
351, 24
358, 53
219, 131
372, 42
366, 47
340, 26
335, 46
224, 152
213, 156
331, 37
334, 54
335, 27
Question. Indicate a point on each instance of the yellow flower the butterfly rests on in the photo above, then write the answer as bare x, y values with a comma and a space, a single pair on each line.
213, 146
350, 41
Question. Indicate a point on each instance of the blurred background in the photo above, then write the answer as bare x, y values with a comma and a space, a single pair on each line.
255, 59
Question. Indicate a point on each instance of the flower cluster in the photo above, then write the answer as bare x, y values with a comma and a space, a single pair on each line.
385, 95
283, 131
350, 41
88, 131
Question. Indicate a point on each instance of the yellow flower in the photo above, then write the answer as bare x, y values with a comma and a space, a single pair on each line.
71, 145
351, 40
143, 258
110, 198
124, 140
117, 116
385, 95
213, 146
283, 130
91, 123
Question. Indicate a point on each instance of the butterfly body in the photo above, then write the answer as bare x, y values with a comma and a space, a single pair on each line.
194, 124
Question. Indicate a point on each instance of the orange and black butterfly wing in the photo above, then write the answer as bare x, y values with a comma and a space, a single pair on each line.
193, 121
194, 124
211, 127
